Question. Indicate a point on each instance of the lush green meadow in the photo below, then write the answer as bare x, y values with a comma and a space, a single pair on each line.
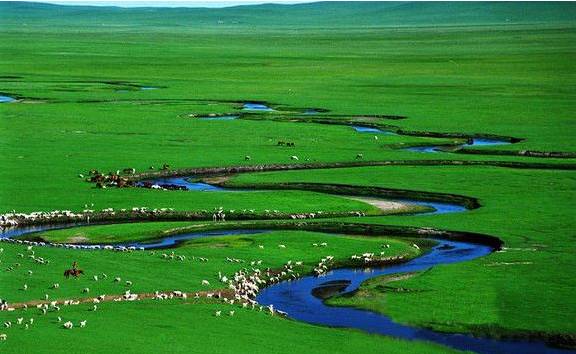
529, 209
80, 108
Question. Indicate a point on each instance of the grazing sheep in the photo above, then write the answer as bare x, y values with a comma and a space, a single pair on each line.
86, 290
294, 157
3, 337
282, 246
55, 286
231, 313
218, 313
68, 325
247, 157
359, 156
82, 324
205, 282
415, 246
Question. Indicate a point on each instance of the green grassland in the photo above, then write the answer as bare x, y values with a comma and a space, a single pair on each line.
74, 74
182, 326
192, 328
530, 210
166, 274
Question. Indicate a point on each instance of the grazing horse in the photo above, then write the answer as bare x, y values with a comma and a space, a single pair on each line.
73, 272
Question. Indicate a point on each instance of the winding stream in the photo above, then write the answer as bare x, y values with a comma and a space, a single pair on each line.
299, 298
474, 142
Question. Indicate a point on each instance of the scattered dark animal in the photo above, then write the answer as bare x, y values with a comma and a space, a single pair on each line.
73, 272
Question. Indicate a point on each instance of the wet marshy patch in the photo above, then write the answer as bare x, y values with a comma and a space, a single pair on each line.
473, 141
257, 106
371, 129
179, 183
4, 98
216, 117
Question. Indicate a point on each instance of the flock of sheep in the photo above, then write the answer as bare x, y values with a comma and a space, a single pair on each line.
239, 289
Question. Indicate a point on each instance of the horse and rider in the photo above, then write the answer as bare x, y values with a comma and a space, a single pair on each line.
74, 271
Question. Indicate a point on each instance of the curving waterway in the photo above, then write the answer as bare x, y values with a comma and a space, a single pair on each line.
473, 142
301, 300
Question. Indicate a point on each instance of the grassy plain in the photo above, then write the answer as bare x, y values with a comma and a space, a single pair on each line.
77, 113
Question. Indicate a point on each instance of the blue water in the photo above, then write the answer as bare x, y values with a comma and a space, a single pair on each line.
429, 148
16, 232
486, 142
227, 117
185, 182
475, 142
6, 99
295, 297
248, 106
365, 129
172, 241
439, 208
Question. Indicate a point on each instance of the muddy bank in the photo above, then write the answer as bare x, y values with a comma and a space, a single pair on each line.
214, 171
525, 153
366, 193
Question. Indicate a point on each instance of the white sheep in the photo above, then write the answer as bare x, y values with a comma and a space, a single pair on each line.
68, 325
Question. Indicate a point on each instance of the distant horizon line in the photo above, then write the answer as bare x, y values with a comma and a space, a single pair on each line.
167, 3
